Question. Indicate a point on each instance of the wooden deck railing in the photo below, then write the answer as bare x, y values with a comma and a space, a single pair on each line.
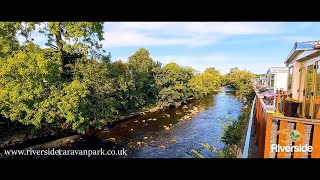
272, 130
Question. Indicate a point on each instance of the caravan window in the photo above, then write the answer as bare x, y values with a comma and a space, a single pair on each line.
290, 80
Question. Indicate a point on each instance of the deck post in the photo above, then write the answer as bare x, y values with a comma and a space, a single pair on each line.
264, 146
268, 134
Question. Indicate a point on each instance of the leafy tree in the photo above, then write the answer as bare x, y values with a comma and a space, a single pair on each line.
125, 85
240, 79
204, 84
106, 58
234, 69
9, 32
26, 80
95, 76
70, 38
33, 93
172, 81
142, 67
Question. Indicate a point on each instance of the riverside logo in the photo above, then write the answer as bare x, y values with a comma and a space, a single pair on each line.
295, 136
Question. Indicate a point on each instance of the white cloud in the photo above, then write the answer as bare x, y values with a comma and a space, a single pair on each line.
125, 34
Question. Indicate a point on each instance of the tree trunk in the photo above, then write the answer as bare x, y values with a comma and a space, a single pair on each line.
60, 49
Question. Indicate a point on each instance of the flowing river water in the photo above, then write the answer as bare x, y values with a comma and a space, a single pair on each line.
172, 133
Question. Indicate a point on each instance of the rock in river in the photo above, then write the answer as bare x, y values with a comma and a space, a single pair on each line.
173, 141
113, 140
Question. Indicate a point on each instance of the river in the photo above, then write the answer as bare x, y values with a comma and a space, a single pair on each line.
171, 133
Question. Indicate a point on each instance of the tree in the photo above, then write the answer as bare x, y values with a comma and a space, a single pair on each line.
33, 92
96, 78
234, 69
26, 80
241, 80
126, 95
172, 81
204, 84
106, 58
217, 75
142, 67
9, 32
73, 38
212, 71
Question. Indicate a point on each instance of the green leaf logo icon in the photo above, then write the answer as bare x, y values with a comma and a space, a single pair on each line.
295, 135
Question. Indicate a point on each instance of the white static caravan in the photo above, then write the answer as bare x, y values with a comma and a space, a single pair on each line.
303, 61
277, 78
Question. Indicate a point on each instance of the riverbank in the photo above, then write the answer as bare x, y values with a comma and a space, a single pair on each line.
159, 133
234, 135
22, 137
113, 122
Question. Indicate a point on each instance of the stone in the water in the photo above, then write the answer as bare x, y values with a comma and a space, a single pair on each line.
135, 121
166, 128
186, 117
154, 119
162, 147
173, 141
145, 137
138, 143
131, 129
184, 107
170, 124
143, 121
113, 140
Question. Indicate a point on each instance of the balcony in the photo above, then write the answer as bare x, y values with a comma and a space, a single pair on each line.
266, 130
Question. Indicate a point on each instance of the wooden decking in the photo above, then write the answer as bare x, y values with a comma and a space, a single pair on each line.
268, 130
253, 148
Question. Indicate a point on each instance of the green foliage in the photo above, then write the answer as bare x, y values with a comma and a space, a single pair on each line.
96, 78
9, 32
73, 106
8, 39
32, 91
233, 133
61, 85
75, 37
197, 153
225, 152
26, 80
205, 83
173, 83
240, 79
143, 68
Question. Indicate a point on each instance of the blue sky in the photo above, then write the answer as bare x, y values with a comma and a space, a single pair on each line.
253, 46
